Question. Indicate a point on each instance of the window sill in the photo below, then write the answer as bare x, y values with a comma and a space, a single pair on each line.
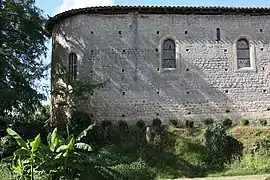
246, 69
168, 69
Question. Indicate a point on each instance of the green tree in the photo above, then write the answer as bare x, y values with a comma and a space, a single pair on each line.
22, 46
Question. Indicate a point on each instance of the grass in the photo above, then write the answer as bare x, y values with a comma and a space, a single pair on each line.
248, 165
248, 135
188, 146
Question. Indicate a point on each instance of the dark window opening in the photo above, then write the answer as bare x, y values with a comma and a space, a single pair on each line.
168, 54
218, 34
72, 66
243, 53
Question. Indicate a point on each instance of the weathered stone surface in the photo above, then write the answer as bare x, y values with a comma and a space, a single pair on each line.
205, 82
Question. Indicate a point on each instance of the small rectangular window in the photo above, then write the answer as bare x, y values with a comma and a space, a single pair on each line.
218, 34
72, 66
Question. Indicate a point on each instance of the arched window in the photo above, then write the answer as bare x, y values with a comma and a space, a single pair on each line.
168, 54
72, 66
243, 53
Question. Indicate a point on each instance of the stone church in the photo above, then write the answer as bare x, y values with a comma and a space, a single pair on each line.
167, 62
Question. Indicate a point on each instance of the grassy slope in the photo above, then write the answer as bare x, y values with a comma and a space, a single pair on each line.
188, 148
249, 164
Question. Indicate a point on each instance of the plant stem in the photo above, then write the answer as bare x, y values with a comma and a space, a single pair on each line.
32, 169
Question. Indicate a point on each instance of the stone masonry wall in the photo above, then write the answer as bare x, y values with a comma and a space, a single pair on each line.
124, 50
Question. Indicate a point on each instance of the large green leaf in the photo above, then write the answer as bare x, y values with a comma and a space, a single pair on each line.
62, 148
54, 141
71, 144
84, 132
49, 138
65, 154
35, 144
17, 137
58, 155
83, 146
22, 152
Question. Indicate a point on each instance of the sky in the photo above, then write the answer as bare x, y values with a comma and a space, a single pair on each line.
52, 7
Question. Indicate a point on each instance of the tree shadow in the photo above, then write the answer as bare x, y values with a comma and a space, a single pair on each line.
136, 87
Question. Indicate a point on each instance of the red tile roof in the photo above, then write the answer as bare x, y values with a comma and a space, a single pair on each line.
212, 10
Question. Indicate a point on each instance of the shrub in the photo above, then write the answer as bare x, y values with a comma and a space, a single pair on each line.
7, 146
123, 126
234, 149
140, 124
227, 122
216, 142
138, 134
263, 122
106, 123
174, 122
189, 124
79, 121
208, 121
138, 170
5, 173
262, 145
156, 123
3, 126
244, 122
123, 132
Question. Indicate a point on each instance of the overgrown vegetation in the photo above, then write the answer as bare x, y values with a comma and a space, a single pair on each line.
121, 151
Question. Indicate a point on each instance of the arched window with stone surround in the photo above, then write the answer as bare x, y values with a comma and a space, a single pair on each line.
72, 66
168, 54
243, 53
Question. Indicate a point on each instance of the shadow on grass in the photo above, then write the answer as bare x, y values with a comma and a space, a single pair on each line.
175, 156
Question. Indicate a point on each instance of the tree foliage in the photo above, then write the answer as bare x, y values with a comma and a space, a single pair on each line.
22, 44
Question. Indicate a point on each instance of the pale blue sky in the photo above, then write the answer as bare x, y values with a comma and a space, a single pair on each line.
51, 7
